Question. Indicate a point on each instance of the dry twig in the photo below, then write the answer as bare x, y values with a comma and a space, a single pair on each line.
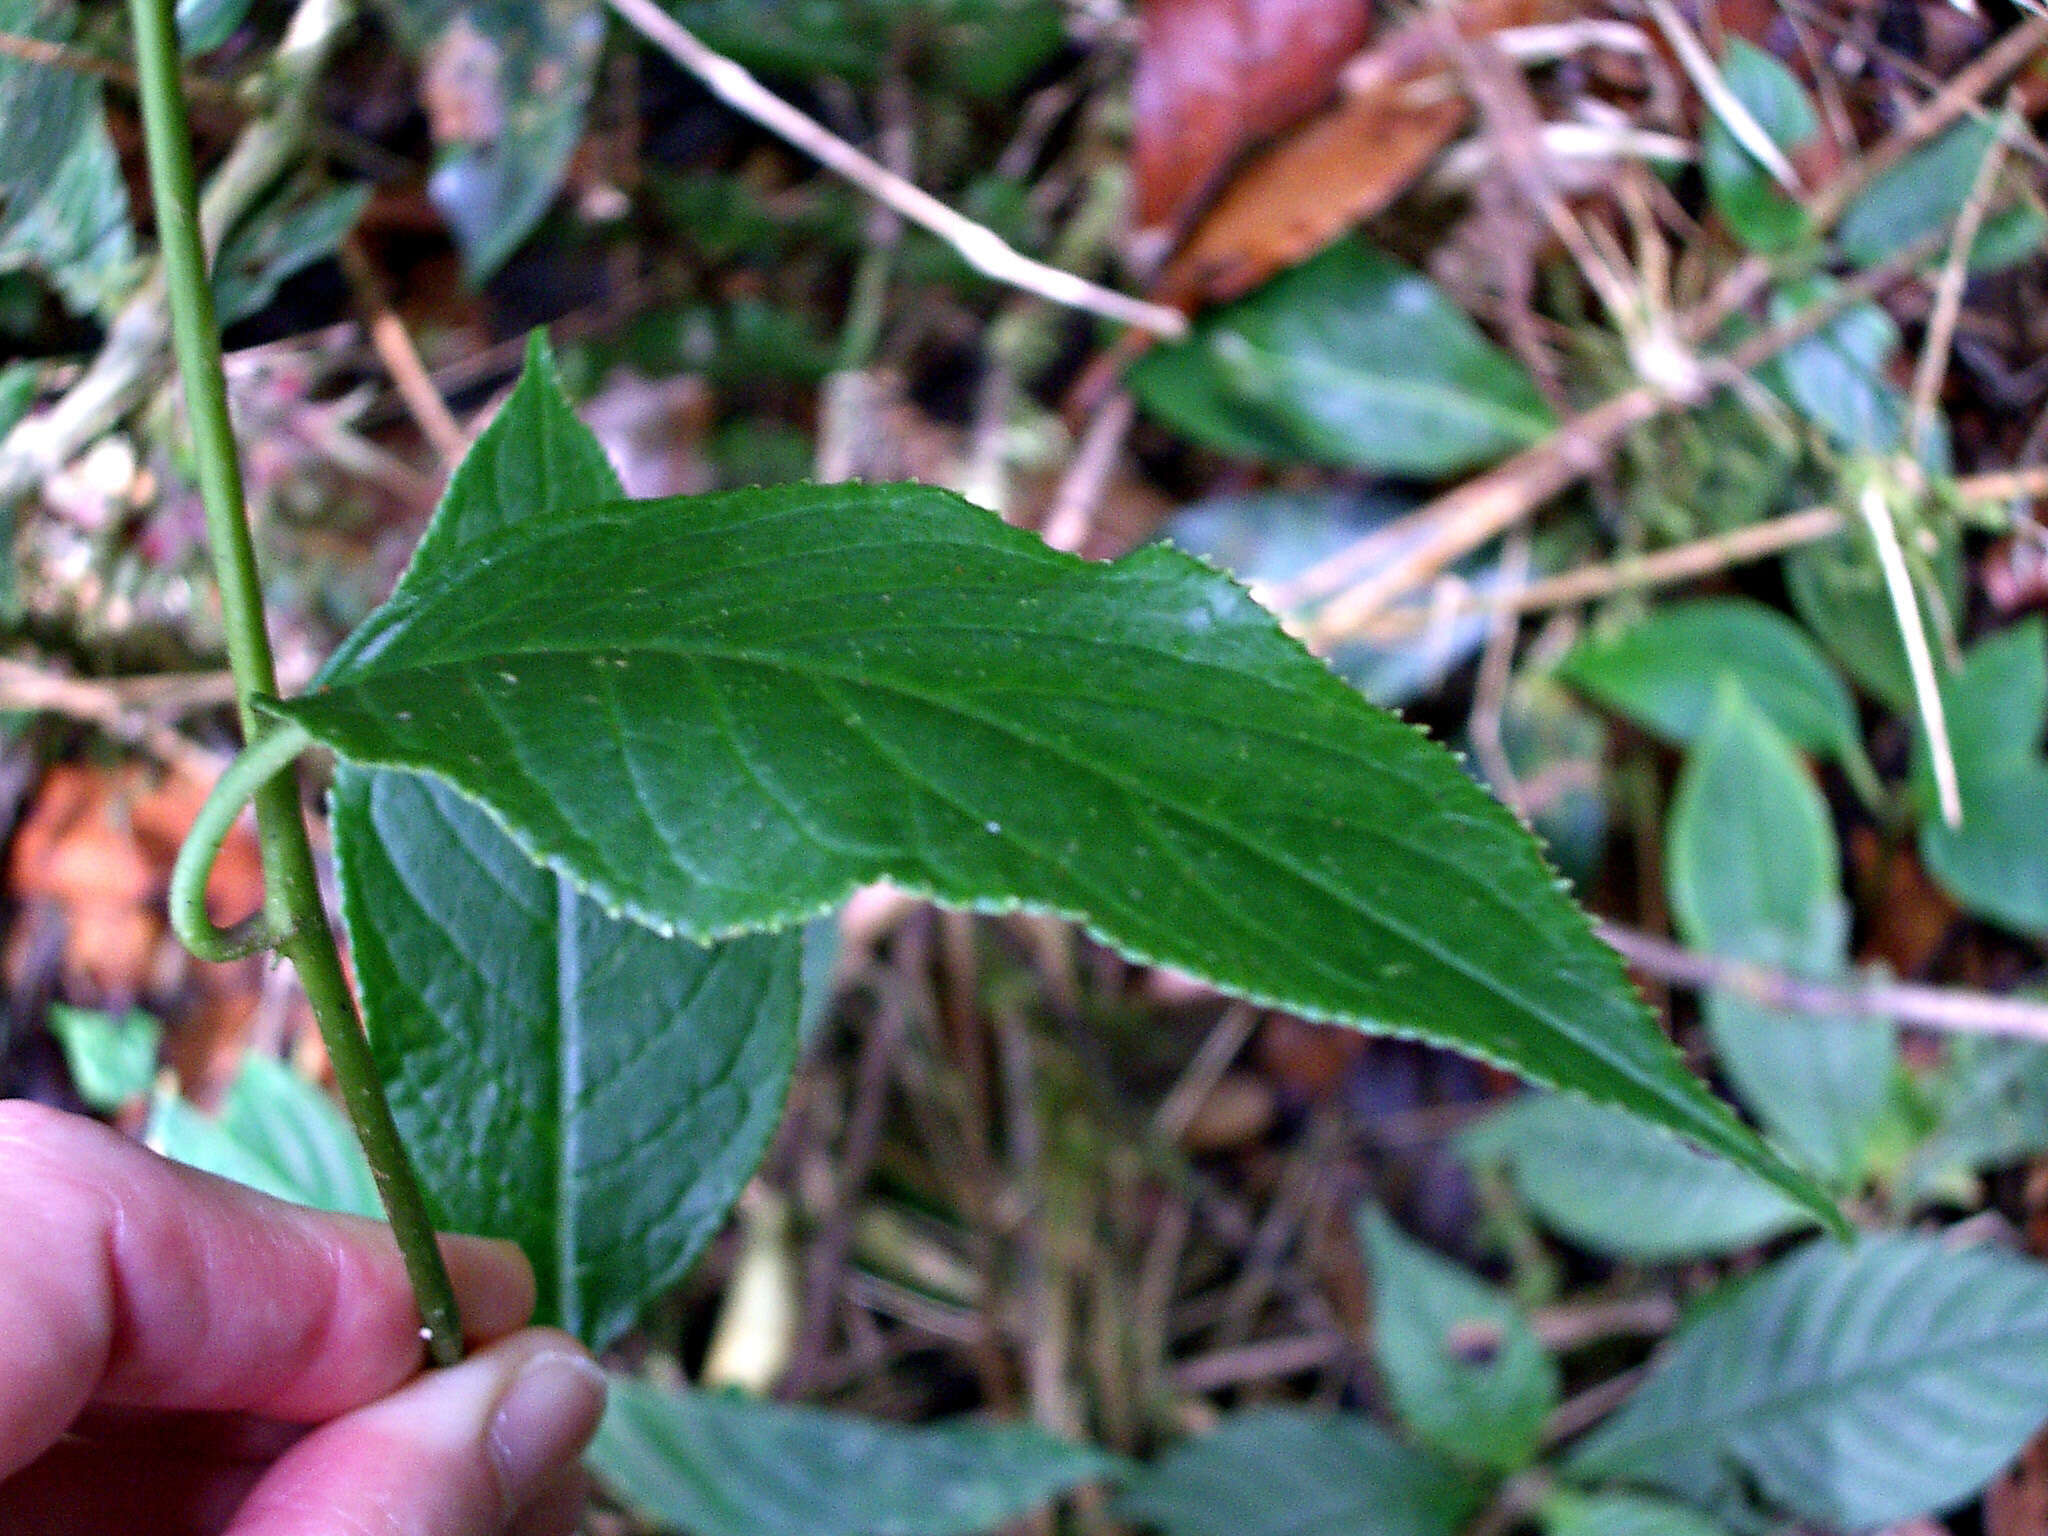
1944, 1009
980, 247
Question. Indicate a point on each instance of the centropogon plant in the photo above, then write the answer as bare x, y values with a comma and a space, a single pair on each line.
601, 761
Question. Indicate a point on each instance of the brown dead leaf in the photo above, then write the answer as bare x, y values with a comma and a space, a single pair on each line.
1215, 76
1345, 166
1401, 105
1910, 916
97, 847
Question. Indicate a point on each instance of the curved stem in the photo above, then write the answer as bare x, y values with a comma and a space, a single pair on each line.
293, 914
264, 759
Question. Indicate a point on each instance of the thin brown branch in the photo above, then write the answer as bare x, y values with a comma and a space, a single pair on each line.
1681, 562
401, 359
1266, 1360
1945, 1009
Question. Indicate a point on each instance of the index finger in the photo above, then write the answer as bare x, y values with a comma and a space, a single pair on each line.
128, 1280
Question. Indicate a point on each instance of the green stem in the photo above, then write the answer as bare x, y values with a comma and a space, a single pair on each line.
292, 905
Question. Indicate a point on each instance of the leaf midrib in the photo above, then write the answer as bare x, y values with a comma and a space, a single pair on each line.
568, 1095
1625, 1069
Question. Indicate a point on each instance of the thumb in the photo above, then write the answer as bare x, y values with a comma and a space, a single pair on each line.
458, 1452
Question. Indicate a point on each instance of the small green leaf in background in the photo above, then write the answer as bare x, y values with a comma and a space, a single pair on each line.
724, 713
506, 82
1918, 197
574, 1082
275, 1132
2013, 234
1621, 1514
1349, 359
1996, 863
1617, 1186
1756, 210
287, 233
1755, 875
1839, 594
1852, 1385
204, 25
20, 383
1840, 377
63, 203
1664, 673
719, 1464
982, 47
112, 1057
1291, 1472
1466, 1372
1991, 1104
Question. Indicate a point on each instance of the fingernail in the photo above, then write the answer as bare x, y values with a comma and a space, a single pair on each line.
546, 1417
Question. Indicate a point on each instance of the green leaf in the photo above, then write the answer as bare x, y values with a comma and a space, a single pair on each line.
63, 204
727, 712
1664, 674
1289, 1472
983, 47
1349, 359
580, 1085
1996, 863
20, 383
1467, 1373
534, 463
289, 233
718, 1464
1621, 1514
1755, 875
2013, 234
204, 25
1839, 593
45, 109
1840, 376
513, 78
1617, 1186
1992, 1104
276, 1132
576, 1083
1918, 197
1854, 1386
112, 1057
1749, 200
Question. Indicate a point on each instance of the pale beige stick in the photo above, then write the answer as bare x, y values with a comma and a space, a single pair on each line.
980, 247
1722, 101
1948, 1010
401, 358
1080, 490
1875, 510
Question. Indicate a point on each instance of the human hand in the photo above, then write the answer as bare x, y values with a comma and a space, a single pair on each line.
181, 1355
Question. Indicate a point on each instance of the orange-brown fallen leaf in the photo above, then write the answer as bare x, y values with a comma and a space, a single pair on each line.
1401, 105
1215, 76
97, 846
